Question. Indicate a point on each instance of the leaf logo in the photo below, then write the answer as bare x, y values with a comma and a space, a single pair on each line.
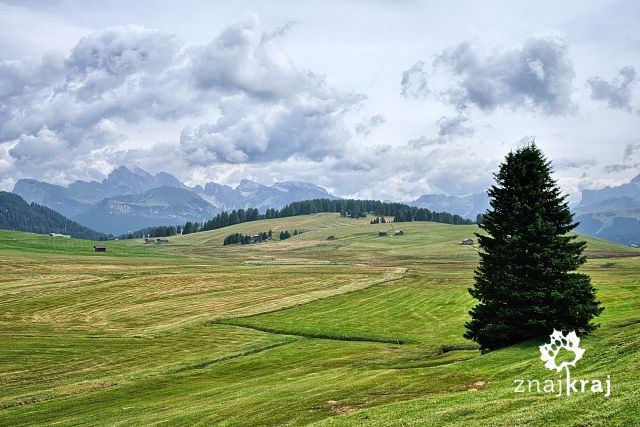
569, 342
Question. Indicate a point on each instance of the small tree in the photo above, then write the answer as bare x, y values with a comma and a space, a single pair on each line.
526, 282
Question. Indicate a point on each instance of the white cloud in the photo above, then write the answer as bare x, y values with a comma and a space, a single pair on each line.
538, 75
269, 99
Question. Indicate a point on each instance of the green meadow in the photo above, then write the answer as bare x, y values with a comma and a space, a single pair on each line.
358, 330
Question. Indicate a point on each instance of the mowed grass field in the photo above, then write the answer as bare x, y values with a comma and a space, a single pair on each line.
360, 330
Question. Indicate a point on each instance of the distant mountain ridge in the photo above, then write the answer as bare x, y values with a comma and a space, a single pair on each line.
466, 206
128, 200
611, 213
18, 215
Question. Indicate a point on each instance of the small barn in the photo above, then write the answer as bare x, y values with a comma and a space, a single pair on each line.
399, 233
382, 233
100, 248
467, 242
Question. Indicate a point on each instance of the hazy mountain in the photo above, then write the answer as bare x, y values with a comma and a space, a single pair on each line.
131, 199
279, 194
466, 206
220, 196
592, 197
158, 206
612, 213
55, 197
80, 196
16, 214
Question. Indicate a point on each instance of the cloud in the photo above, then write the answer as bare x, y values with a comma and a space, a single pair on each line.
244, 99
630, 160
309, 127
616, 92
454, 126
385, 172
620, 167
365, 128
246, 59
629, 151
573, 163
120, 74
537, 76
449, 129
414, 81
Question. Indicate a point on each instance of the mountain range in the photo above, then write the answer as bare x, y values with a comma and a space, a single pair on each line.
468, 206
612, 213
130, 199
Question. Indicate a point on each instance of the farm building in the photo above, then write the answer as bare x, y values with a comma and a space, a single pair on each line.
467, 242
100, 248
66, 236
162, 240
399, 233
382, 233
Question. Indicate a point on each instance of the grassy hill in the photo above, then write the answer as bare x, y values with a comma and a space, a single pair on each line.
359, 330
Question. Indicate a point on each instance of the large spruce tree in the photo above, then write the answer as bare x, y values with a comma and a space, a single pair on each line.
526, 282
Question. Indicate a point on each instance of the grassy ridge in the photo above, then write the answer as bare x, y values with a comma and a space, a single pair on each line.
300, 331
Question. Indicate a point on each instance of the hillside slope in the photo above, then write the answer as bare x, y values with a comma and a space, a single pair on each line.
354, 330
16, 214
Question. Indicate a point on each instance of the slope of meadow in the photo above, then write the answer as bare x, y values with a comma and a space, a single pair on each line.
359, 330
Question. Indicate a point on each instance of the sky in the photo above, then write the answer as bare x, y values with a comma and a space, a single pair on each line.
369, 99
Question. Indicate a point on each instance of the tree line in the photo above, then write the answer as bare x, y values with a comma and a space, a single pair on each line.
345, 207
245, 239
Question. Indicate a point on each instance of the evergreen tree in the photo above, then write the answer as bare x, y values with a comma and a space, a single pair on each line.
526, 282
233, 217
188, 228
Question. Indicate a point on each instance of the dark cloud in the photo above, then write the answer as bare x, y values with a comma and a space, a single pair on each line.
617, 91
536, 76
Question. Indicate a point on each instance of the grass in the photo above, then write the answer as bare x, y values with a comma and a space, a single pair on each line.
360, 330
